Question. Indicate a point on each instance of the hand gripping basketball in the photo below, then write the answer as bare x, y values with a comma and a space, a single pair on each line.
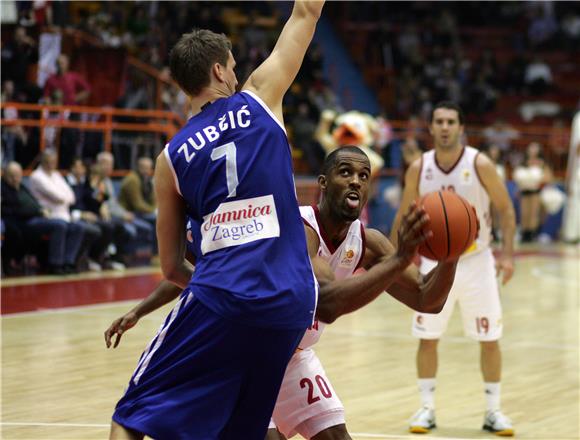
413, 231
454, 224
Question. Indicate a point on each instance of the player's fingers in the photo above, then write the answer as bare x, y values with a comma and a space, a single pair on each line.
108, 333
413, 221
417, 228
117, 339
507, 274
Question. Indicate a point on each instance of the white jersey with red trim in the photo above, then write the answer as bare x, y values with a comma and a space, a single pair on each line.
464, 180
343, 260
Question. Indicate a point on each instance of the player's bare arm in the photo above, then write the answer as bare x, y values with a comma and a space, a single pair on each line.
273, 77
502, 203
170, 226
425, 294
345, 296
164, 293
410, 193
322, 270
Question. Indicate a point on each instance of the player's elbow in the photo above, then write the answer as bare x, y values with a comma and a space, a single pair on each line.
171, 272
432, 309
309, 9
327, 314
328, 309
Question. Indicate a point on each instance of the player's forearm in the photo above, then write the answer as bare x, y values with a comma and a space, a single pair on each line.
508, 229
395, 227
345, 296
436, 286
308, 9
164, 293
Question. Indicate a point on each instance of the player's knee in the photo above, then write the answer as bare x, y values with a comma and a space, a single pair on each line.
337, 432
490, 346
428, 344
119, 432
274, 434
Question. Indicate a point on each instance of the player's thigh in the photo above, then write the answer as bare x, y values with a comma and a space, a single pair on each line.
265, 364
480, 301
307, 396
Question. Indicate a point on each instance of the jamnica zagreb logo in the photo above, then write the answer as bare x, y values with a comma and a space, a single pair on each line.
239, 222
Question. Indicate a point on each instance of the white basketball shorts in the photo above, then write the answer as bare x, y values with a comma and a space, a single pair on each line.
307, 404
476, 290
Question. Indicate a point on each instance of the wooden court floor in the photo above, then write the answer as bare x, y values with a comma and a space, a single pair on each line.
60, 382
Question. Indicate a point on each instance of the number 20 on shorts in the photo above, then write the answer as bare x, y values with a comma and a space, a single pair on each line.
322, 386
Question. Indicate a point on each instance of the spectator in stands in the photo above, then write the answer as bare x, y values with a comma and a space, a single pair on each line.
571, 30
72, 89
14, 137
75, 88
543, 27
129, 229
303, 127
24, 216
501, 134
496, 155
17, 57
136, 194
86, 211
530, 177
538, 76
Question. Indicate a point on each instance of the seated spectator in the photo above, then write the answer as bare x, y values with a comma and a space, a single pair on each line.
129, 229
501, 134
137, 195
24, 217
538, 76
86, 211
530, 177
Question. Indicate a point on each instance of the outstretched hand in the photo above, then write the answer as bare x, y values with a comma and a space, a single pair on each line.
119, 327
411, 233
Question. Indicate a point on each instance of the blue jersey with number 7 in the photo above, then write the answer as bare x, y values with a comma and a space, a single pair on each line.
233, 168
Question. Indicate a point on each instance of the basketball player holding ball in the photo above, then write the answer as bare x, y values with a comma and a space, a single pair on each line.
462, 169
338, 245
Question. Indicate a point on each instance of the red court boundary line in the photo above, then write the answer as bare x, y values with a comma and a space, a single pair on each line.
78, 292
50, 293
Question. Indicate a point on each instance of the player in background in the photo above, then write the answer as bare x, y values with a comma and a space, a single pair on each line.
462, 169
230, 170
338, 243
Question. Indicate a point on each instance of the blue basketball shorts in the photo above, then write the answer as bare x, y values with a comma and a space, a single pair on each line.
203, 377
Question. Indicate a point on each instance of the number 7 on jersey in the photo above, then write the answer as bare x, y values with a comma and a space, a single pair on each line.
229, 151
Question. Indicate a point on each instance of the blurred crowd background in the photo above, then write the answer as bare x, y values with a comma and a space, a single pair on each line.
88, 103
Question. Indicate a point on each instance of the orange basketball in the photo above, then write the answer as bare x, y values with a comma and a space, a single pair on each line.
453, 223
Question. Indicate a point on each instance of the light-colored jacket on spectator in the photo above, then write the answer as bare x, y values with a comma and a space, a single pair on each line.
52, 192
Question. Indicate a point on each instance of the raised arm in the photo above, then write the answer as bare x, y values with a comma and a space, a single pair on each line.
170, 225
501, 201
410, 193
273, 77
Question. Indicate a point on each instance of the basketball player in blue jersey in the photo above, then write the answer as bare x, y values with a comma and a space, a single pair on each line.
253, 292
335, 237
